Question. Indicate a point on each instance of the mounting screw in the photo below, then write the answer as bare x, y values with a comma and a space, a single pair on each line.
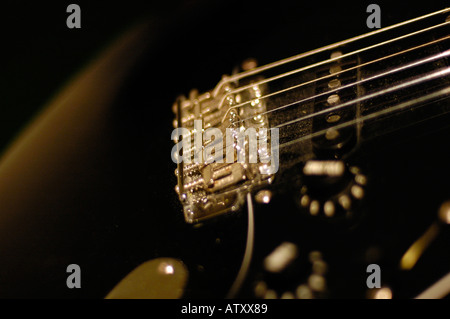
263, 196
249, 64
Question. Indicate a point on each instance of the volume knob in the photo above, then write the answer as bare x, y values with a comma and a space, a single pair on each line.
331, 188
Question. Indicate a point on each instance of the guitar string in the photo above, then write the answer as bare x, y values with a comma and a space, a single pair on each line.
443, 93
368, 79
359, 66
279, 76
301, 69
257, 70
325, 77
374, 115
340, 88
414, 33
417, 80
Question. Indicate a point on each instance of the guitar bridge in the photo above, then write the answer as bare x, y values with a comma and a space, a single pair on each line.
215, 174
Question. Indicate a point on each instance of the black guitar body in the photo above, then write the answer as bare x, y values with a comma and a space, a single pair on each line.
110, 205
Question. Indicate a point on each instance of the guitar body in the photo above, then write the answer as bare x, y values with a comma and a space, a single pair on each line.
119, 208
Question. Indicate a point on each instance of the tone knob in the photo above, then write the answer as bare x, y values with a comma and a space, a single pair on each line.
331, 188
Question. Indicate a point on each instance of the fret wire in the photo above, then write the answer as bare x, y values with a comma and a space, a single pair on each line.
257, 70
328, 76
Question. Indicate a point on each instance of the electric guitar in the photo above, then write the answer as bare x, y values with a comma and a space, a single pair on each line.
346, 194
347, 188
